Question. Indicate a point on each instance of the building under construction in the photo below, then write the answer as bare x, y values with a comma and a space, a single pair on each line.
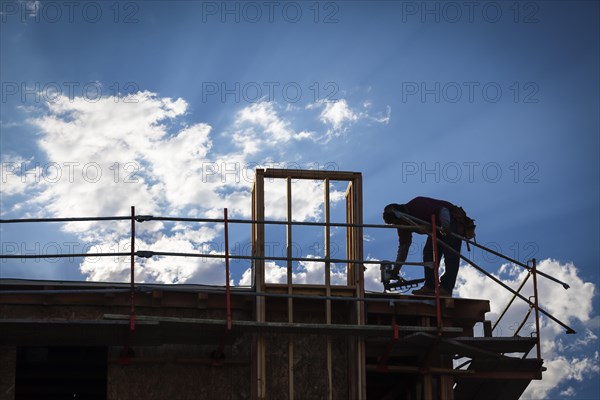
133, 340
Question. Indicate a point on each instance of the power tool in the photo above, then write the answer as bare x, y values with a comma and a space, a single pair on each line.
392, 281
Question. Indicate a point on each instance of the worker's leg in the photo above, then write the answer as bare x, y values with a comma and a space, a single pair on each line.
451, 260
428, 257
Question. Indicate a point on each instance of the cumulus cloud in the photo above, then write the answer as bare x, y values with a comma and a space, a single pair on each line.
104, 155
171, 270
307, 272
313, 272
307, 199
101, 156
15, 172
373, 278
339, 116
259, 125
568, 392
563, 369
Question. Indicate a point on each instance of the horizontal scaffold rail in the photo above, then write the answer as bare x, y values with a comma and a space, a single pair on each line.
291, 327
425, 226
145, 218
149, 254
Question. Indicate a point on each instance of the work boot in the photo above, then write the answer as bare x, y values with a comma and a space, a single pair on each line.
424, 291
427, 291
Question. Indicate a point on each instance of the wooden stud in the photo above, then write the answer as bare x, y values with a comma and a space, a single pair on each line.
359, 280
349, 236
427, 387
446, 380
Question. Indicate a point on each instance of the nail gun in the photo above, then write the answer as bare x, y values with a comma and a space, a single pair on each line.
392, 281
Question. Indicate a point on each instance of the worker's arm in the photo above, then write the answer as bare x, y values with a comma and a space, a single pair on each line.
404, 242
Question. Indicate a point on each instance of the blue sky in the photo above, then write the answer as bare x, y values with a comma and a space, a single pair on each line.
490, 105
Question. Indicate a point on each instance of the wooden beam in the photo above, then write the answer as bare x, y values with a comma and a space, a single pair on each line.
505, 375
260, 371
310, 174
311, 289
285, 327
357, 218
407, 369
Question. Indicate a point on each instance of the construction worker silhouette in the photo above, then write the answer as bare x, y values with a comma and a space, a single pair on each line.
423, 208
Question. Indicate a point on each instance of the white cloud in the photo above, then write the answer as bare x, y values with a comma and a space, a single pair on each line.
273, 274
384, 118
307, 199
8, 125
373, 278
313, 272
103, 156
339, 116
172, 270
307, 272
563, 369
259, 125
16, 175
32, 8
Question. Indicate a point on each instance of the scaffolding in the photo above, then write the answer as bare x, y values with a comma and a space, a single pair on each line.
380, 327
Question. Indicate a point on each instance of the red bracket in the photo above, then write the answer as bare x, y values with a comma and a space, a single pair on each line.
436, 267
227, 288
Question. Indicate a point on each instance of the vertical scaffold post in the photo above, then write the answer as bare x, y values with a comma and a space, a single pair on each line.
288, 246
436, 273
227, 288
132, 277
327, 246
537, 311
